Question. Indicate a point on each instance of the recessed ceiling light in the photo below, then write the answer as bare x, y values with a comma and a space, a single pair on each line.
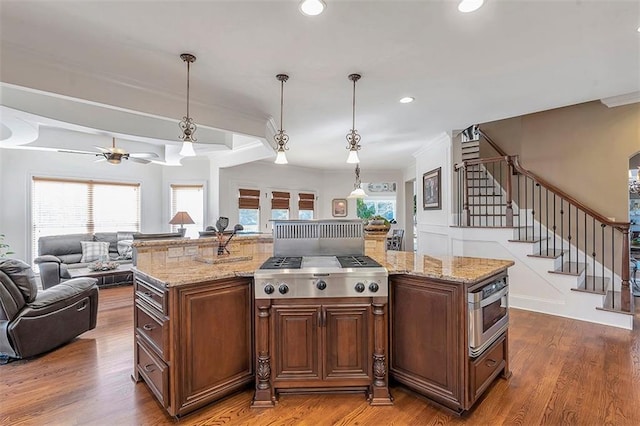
312, 7
407, 100
469, 5
639, 29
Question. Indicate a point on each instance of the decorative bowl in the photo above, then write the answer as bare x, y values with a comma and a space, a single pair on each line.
102, 266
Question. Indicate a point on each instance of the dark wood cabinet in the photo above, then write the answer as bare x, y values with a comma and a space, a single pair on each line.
311, 344
429, 350
297, 343
193, 342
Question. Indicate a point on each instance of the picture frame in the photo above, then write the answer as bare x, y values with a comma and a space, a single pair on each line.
339, 207
431, 190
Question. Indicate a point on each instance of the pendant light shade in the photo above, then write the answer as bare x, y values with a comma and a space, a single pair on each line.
187, 125
281, 137
353, 138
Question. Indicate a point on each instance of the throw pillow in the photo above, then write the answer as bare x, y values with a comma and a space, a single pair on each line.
125, 250
94, 250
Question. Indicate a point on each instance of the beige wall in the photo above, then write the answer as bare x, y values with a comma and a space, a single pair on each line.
582, 149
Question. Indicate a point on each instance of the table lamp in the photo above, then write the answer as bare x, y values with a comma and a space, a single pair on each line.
180, 219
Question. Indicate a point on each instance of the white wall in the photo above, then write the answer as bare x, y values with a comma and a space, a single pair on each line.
327, 184
433, 225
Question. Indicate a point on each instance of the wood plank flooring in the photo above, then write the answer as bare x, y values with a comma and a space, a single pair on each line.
564, 372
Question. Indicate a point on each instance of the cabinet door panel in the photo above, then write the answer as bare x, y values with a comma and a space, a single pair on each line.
215, 341
348, 348
296, 342
425, 328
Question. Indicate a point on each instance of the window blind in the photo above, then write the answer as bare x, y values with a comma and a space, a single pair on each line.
190, 199
249, 199
280, 200
306, 201
75, 206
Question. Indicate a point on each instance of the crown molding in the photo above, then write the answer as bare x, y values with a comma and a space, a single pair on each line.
626, 99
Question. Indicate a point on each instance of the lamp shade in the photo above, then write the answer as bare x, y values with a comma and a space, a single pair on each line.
181, 218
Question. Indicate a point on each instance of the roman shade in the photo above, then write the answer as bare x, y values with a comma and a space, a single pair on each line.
249, 199
280, 200
306, 201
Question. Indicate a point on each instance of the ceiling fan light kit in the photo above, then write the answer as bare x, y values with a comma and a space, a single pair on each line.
187, 125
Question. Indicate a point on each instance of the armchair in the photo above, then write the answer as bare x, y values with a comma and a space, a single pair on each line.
33, 322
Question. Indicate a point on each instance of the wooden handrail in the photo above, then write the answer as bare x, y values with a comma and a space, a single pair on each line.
492, 143
601, 218
477, 161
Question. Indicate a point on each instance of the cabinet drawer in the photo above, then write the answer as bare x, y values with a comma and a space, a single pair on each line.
154, 372
153, 329
486, 367
154, 296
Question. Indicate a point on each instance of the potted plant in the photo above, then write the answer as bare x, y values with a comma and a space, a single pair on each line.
377, 224
4, 248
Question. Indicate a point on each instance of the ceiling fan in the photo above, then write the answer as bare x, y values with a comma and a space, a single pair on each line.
115, 155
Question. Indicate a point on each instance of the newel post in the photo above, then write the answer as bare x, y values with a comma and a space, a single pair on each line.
625, 292
509, 191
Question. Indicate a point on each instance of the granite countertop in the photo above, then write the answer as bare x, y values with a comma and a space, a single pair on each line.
449, 268
213, 240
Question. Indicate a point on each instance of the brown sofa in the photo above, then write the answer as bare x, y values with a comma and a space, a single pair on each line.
32, 321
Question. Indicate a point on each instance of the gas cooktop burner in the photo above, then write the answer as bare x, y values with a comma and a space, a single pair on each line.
282, 263
357, 262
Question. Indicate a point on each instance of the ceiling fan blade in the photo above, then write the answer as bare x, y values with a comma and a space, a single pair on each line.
139, 160
143, 155
100, 160
74, 151
101, 149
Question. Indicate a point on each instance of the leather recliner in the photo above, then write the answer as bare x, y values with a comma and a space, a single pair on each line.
32, 321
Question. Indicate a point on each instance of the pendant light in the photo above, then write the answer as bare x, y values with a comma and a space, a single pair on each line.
357, 192
187, 125
353, 138
281, 137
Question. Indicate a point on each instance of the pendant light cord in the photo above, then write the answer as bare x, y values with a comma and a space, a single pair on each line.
354, 105
188, 68
281, 101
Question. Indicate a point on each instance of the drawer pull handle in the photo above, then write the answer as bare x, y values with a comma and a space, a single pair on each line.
148, 327
148, 294
149, 368
491, 362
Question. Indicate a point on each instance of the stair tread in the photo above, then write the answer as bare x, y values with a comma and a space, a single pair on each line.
533, 239
593, 284
570, 268
613, 303
548, 254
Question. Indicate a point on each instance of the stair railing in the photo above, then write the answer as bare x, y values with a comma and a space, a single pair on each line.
560, 225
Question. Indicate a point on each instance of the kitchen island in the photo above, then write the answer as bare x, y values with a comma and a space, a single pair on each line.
194, 319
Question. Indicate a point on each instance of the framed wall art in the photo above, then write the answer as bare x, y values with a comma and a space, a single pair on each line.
339, 207
431, 190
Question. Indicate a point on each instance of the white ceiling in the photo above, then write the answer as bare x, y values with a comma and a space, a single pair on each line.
508, 58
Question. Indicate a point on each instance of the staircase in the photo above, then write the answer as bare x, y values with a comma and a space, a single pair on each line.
577, 252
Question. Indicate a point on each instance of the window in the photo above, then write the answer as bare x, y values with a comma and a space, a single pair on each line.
68, 206
249, 209
190, 199
280, 205
374, 207
305, 206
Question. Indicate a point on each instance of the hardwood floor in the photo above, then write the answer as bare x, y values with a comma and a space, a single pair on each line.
564, 372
